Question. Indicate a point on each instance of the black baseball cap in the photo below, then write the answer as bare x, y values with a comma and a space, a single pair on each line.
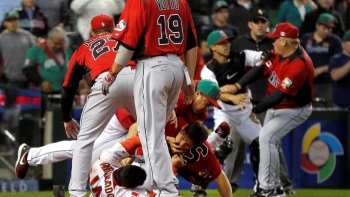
259, 14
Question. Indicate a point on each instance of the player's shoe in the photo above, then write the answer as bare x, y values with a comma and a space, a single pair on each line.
265, 193
280, 192
290, 191
198, 191
22, 166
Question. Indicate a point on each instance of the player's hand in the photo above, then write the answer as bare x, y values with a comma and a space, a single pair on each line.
128, 160
223, 130
108, 81
241, 100
173, 118
265, 56
254, 118
188, 92
174, 145
71, 128
177, 161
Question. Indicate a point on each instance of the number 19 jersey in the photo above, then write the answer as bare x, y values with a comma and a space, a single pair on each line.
156, 27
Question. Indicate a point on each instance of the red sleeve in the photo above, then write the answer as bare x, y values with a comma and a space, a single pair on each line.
131, 144
293, 77
125, 119
132, 23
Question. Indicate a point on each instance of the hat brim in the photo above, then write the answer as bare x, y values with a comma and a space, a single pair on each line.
230, 38
273, 35
212, 101
260, 17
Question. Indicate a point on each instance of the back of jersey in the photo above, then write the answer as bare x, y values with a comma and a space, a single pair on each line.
156, 27
94, 56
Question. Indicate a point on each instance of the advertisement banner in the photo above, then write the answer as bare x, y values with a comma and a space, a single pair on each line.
19, 185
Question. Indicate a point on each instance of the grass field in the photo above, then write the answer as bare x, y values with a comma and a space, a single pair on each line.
213, 193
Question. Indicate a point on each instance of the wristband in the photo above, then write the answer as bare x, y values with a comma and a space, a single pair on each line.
112, 73
188, 79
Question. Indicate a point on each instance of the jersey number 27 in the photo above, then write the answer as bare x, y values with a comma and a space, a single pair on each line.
174, 24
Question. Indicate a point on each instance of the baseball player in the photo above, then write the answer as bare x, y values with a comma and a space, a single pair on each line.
155, 34
228, 68
206, 95
92, 60
116, 130
290, 74
112, 175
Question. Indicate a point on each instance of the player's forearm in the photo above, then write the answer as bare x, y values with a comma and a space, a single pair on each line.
273, 99
251, 76
224, 186
67, 103
340, 72
190, 60
226, 97
122, 58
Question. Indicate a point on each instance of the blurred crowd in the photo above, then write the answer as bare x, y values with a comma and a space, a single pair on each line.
38, 37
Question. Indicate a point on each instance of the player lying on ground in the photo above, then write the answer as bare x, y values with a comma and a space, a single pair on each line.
116, 130
112, 174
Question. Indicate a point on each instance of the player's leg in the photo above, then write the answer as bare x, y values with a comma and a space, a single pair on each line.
96, 114
249, 132
282, 122
285, 181
51, 153
234, 161
158, 81
99, 149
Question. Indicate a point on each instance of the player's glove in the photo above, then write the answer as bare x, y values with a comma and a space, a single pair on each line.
224, 150
265, 57
108, 81
223, 130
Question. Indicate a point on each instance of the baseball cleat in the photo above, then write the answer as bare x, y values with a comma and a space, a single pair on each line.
280, 192
265, 193
22, 165
290, 191
198, 191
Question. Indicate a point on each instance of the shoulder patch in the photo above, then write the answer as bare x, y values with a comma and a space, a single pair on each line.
121, 25
286, 83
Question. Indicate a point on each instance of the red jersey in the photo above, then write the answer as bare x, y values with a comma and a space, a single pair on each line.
154, 28
294, 76
201, 165
94, 56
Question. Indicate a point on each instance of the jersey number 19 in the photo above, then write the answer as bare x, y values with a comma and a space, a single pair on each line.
174, 24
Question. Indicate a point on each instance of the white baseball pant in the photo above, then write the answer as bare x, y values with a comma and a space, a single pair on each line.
158, 82
96, 114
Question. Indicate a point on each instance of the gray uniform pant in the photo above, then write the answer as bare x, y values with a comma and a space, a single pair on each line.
284, 177
278, 123
158, 82
244, 131
96, 114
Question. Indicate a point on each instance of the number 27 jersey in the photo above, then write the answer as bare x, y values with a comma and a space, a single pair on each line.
156, 27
